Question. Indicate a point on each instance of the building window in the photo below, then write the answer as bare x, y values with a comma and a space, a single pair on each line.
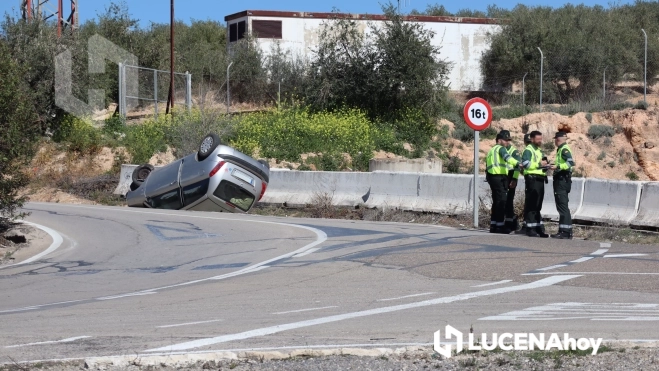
267, 29
237, 31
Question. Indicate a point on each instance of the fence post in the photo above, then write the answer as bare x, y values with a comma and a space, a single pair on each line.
645, 69
188, 90
121, 90
155, 90
228, 89
542, 61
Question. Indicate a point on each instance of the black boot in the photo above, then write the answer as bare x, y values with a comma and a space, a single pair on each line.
522, 230
530, 232
541, 232
562, 235
503, 230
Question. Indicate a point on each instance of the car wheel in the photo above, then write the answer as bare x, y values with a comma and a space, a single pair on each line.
207, 146
141, 173
266, 163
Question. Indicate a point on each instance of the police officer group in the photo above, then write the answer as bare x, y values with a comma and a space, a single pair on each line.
504, 166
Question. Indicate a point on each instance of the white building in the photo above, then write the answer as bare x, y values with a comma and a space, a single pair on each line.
462, 40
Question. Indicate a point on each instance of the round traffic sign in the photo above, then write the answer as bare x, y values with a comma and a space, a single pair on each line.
478, 114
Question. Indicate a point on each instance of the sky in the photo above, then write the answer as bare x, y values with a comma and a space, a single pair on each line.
158, 10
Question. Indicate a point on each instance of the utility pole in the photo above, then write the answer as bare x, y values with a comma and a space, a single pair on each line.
645, 69
170, 100
524, 92
542, 61
229, 89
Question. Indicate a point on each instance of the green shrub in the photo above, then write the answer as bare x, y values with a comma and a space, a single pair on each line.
632, 176
641, 105
599, 131
288, 133
510, 112
489, 133
454, 165
601, 156
79, 135
115, 125
589, 117
144, 140
549, 146
188, 128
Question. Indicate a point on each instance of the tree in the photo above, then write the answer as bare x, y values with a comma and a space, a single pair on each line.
19, 130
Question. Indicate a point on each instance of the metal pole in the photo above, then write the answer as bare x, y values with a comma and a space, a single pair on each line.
188, 90
121, 90
645, 69
542, 61
155, 90
123, 87
475, 187
60, 11
524, 92
171, 57
228, 89
604, 87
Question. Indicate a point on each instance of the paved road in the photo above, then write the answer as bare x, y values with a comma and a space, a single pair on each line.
127, 281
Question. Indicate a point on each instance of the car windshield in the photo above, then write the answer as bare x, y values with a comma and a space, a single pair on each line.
235, 195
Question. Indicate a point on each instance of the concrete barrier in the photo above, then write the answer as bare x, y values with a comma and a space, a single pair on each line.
448, 193
648, 210
608, 201
292, 188
393, 190
125, 179
549, 210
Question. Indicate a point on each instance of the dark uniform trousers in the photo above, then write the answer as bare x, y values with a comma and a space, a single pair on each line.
535, 194
510, 202
499, 187
562, 188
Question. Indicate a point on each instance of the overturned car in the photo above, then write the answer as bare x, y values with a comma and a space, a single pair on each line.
216, 178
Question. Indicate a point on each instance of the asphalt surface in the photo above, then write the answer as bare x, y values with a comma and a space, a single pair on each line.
131, 281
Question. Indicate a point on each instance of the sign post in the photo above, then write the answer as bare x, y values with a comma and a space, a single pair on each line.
478, 115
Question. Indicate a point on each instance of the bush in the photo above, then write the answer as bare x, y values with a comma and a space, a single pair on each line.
632, 176
598, 131
489, 133
589, 117
454, 165
188, 128
144, 140
601, 156
641, 105
289, 133
549, 146
79, 135
510, 112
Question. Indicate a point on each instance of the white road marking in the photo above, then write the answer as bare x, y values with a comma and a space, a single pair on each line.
408, 296
605, 244
493, 283
590, 311
39, 306
57, 242
586, 273
190, 323
24, 309
306, 310
600, 252
69, 340
584, 259
552, 267
549, 281
623, 255
321, 237
127, 295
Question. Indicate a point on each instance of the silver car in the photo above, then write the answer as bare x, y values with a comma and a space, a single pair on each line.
216, 178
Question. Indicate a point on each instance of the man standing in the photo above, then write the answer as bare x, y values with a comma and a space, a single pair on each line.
563, 185
535, 176
513, 176
527, 141
498, 160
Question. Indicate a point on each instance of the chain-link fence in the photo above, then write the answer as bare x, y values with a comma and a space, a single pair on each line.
145, 91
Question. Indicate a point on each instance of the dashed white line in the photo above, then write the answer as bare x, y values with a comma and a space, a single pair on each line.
69, 340
546, 282
189, 323
600, 252
605, 244
586, 273
407, 296
552, 267
126, 295
493, 283
584, 259
623, 255
306, 310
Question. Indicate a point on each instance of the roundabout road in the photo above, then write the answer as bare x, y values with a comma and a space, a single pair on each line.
127, 281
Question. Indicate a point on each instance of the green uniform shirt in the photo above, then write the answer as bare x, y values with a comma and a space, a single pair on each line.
498, 160
531, 160
564, 159
513, 171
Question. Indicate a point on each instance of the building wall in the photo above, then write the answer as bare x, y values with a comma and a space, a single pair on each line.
462, 44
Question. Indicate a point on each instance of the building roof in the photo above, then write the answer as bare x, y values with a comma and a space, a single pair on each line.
372, 17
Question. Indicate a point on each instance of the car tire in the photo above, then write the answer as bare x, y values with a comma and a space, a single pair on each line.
266, 163
207, 146
140, 174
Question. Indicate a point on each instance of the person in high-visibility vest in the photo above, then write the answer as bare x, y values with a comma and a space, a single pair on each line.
513, 176
563, 185
535, 177
527, 141
498, 160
